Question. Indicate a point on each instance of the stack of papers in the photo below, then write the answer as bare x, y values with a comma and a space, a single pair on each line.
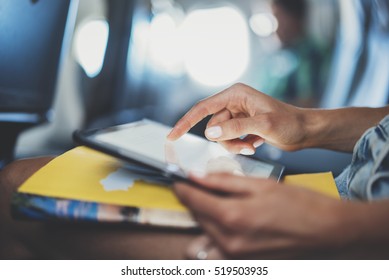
86, 185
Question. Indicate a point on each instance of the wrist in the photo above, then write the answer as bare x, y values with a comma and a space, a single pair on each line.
327, 129
312, 124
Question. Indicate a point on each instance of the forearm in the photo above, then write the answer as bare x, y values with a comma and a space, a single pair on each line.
339, 129
364, 230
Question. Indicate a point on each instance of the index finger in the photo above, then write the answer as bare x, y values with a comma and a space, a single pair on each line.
202, 109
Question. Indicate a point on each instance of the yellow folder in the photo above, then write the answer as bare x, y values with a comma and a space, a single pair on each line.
83, 174
79, 174
321, 182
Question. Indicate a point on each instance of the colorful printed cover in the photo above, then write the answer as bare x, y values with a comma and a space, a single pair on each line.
47, 208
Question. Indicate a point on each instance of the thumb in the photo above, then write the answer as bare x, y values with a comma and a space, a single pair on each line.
235, 128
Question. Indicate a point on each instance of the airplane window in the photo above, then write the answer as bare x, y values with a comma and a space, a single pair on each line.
90, 44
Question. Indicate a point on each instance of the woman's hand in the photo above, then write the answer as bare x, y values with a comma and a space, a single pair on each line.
244, 118
243, 111
258, 218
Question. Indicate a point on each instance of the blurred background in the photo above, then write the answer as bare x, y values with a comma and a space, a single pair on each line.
96, 63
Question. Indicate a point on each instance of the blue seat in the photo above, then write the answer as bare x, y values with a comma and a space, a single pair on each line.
348, 54
32, 36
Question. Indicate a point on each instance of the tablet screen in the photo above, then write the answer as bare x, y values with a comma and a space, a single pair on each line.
145, 141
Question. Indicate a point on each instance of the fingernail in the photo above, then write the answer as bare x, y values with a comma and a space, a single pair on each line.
258, 143
169, 136
213, 132
247, 152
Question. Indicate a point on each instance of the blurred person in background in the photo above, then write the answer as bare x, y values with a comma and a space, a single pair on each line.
295, 73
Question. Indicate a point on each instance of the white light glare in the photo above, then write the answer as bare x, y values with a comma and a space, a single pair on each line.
263, 24
165, 52
216, 45
90, 45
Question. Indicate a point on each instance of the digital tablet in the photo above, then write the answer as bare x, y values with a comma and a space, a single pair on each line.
144, 143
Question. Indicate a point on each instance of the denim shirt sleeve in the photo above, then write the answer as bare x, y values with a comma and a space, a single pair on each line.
367, 178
